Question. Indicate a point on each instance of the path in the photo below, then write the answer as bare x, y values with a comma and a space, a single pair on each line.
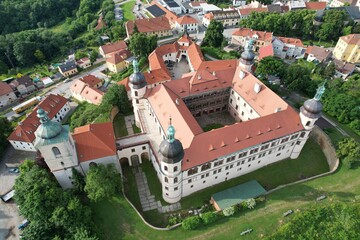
336, 126
129, 120
147, 200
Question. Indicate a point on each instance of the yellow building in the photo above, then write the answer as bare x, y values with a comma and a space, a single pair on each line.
348, 48
116, 61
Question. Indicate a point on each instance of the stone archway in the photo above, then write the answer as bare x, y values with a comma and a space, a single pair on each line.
124, 161
135, 160
145, 156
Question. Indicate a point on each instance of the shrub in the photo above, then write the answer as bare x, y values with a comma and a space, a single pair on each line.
191, 223
229, 211
174, 219
209, 217
250, 203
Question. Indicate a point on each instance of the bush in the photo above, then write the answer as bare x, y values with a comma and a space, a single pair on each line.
250, 203
191, 223
174, 219
209, 217
229, 211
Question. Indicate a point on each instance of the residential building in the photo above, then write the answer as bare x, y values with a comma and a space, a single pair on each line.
117, 61
315, 5
186, 23
108, 49
168, 14
159, 26
173, 6
67, 69
155, 11
341, 3
317, 54
84, 62
206, 8
266, 51
47, 81
296, 5
266, 128
347, 48
23, 85
229, 18
62, 151
241, 36
288, 47
343, 69
86, 89
22, 138
7, 95
238, 3
245, 12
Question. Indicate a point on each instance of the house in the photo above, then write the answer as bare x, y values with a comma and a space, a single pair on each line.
84, 62
317, 54
296, 5
341, 3
86, 89
186, 23
22, 138
245, 12
197, 6
288, 47
106, 50
169, 15
173, 6
23, 85
240, 36
229, 18
266, 51
116, 62
343, 69
47, 81
353, 13
186, 7
62, 151
315, 5
206, 8
67, 69
7, 95
155, 11
159, 26
347, 48
238, 3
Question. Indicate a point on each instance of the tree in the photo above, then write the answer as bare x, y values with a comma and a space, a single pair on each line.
214, 34
79, 181
349, 151
116, 96
228, 211
102, 182
191, 223
250, 203
329, 71
297, 77
209, 217
270, 66
5, 130
39, 55
141, 45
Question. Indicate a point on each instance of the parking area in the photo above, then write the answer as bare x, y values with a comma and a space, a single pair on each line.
9, 214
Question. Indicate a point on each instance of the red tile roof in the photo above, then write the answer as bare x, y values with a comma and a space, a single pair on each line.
148, 25
94, 141
351, 39
168, 14
293, 41
266, 51
247, 32
91, 80
25, 131
113, 47
5, 88
118, 57
186, 20
315, 5
92, 95
247, 11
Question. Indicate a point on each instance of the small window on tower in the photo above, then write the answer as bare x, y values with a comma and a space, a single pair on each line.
56, 152
136, 93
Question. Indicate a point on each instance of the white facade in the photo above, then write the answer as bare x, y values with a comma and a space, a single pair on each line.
7, 99
193, 27
287, 50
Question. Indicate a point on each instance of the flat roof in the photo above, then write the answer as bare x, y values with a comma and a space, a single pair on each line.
171, 3
238, 194
155, 11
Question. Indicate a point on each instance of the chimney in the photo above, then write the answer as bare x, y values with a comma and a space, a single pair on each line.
257, 87
213, 73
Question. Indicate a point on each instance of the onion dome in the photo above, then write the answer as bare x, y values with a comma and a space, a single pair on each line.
171, 148
137, 79
47, 129
312, 107
248, 55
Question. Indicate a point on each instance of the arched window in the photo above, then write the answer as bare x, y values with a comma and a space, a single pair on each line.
308, 123
165, 168
205, 166
136, 93
175, 180
166, 179
175, 168
56, 152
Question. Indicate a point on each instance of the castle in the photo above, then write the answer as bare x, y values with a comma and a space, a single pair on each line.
185, 157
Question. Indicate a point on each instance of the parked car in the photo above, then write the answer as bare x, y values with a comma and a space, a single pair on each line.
246, 232
13, 170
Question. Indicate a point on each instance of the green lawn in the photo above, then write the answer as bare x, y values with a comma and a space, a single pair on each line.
102, 118
212, 126
310, 162
136, 129
62, 27
119, 126
334, 135
128, 10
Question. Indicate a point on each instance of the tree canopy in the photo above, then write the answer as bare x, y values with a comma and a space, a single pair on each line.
348, 151
102, 182
5, 130
117, 96
328, 222
270, 66
141, 45
214, 34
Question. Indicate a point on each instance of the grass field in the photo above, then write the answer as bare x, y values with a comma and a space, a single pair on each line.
212, 126
62, 27
119, 126
128, 10
117, 220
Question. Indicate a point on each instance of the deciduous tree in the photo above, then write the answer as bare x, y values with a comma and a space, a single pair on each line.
214, 34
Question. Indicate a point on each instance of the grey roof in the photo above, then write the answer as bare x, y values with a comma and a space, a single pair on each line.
171, 3
67, 66
274, 8
172, 152
25, 80
353, 12
137, 79
311, 108
155, 11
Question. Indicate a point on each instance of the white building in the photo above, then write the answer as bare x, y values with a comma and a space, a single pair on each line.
288, 47
266, 128
173, 6
23, 137
186, 23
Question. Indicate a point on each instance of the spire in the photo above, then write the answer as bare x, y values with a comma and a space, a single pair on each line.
320, 91
171, 132
135, 65
41, 114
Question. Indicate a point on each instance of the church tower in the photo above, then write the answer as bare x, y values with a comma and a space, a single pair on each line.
57, 148
309, 113
172, 153
137, 84
247, 56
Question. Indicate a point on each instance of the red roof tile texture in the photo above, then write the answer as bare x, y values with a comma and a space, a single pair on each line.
148, 25
113, 47
266, 51
247, 32
351, 39
315, 5
5, 88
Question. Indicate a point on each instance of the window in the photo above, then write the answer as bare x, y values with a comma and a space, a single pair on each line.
133, 150
56, 152
205, 166
265, 147
175, 189
285, 140
191, 186
302, 134
62, 163
294, 136
278, 154
144, 148
189, 181
298, 142
175, 168
166, 188
165, 168
242, 154
192, 171
308, 123
218, 163
175, 180
255, 150
166, 179
136, 93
